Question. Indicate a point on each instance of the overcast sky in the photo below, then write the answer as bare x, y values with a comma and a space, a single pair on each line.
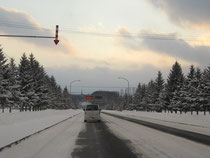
101, 40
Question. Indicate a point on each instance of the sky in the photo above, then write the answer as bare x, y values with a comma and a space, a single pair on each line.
101, 40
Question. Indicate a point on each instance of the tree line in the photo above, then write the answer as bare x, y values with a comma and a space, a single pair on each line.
26, 86
178, 93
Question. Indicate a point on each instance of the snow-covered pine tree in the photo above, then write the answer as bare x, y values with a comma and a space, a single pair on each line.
60, 97
40, 88
193, 91
137, 97
34, 90
191, 74
142, 97
14, 85
159, 87
174, 82
176, 101
26, 83
204, 91
4, 80
150, 96
163, 99
52, 92
55, 93
182, 99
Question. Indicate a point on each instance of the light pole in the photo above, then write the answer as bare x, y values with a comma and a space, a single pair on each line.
71, 84
125, 80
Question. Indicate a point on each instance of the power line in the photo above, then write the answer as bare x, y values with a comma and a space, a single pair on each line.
103, 34
21, 26
26, 36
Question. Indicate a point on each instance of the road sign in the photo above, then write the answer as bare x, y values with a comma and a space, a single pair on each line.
89, 97
56, 35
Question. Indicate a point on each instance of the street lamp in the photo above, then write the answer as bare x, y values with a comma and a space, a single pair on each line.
71, 84
125, 80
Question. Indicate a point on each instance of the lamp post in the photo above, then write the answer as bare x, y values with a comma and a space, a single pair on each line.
71, 84
71, 103
125, 80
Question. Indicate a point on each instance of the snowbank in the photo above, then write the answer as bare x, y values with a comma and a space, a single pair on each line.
195, 120
16, 125
193, 123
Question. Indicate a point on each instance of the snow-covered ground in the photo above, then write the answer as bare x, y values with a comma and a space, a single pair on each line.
56, 142
155, 144
195, 123
60, 140
16, 125
196, 120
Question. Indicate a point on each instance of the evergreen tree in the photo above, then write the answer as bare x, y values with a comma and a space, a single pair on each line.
174, 82
162, 100
137, 97
56, 96
26, 83
149, 97
159, 87
183, 97
191, 74
14, 85
4, 80
34, 71
204, 92
193, 91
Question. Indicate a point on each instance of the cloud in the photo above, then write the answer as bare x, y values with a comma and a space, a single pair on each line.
194, 13
167, 44
15, 22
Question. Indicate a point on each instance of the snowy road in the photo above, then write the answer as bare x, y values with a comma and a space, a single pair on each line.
113, 137
153, 143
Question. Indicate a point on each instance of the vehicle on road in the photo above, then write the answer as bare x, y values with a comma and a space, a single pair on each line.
92, 113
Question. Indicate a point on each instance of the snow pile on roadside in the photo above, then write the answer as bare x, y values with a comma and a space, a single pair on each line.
16, 125
195, 120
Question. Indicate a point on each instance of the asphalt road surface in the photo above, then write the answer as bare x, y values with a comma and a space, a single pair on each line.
97, 141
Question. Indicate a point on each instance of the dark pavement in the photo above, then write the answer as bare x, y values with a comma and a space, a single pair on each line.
97, 141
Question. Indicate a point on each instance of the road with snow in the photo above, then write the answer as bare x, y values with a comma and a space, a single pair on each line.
113, 137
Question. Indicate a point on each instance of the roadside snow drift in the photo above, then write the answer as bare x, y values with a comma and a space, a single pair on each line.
16, 125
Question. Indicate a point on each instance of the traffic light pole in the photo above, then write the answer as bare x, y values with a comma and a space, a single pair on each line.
25, 36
